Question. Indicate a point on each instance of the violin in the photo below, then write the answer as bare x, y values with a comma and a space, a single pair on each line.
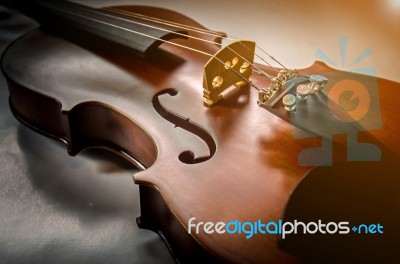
216, 137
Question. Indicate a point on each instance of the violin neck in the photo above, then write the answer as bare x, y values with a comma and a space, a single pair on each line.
60, 17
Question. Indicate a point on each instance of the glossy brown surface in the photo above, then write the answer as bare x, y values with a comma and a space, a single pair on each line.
255, 166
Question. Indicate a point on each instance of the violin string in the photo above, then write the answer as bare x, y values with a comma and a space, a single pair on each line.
166, 41
166, 22
263, 73
260, 71
195, 29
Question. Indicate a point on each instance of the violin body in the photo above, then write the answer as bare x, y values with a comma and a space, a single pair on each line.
231, 161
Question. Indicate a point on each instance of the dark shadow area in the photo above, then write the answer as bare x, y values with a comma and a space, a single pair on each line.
360, 193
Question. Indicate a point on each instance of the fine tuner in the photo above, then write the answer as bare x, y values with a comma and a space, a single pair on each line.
302, 92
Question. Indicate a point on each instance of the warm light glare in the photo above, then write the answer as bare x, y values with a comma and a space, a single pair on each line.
394, 3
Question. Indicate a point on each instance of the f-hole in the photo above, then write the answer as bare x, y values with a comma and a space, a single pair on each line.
188, 156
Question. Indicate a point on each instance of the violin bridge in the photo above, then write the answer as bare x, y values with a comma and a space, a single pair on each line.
229, 66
